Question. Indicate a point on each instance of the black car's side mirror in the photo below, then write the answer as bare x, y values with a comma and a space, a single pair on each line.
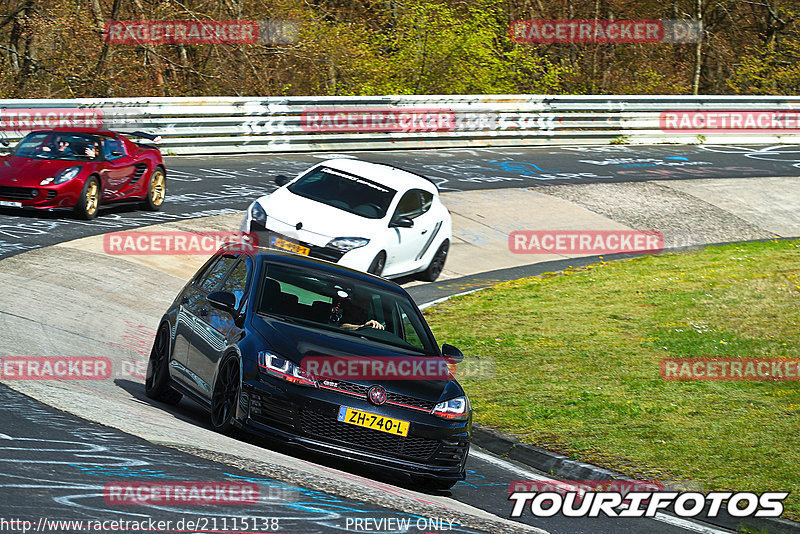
281, 180
401, 222
452, 354
223, 300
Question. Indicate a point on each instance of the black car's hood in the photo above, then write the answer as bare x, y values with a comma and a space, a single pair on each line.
295, 342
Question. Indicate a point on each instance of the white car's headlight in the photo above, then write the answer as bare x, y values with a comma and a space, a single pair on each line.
64, 176
347, 243
258, 214
455, 409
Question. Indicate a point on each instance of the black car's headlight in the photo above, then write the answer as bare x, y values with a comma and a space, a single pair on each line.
258, 214
454, 409
64, 176
280, 367
347, 243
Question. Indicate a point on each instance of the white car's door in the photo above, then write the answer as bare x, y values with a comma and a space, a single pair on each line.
407, 243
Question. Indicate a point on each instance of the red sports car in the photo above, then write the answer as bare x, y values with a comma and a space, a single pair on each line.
81, 169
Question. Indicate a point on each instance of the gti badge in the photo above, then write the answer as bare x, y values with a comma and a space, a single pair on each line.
377, 395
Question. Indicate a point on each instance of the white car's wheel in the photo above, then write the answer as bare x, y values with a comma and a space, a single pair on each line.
437, 263
377, 265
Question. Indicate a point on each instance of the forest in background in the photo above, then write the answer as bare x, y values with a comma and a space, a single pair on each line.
55, 49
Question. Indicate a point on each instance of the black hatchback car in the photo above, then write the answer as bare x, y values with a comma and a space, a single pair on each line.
236, 337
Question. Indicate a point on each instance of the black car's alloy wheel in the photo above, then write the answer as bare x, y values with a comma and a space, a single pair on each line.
225, 396
156, 385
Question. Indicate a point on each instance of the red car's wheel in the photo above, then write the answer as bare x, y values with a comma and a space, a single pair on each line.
156, 191
89, 201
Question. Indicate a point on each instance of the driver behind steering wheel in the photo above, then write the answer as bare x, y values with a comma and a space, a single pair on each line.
354, 316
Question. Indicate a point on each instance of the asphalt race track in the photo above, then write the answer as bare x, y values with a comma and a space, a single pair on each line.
67, 460
203, 186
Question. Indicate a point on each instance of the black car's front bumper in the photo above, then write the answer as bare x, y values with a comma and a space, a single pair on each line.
307, 417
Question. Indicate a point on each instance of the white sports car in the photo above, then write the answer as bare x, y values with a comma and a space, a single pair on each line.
367, 216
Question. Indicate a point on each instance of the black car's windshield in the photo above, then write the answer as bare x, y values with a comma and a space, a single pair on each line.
57, 145
345, 191
335, 303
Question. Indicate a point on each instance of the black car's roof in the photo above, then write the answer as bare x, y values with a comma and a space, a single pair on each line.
290, 258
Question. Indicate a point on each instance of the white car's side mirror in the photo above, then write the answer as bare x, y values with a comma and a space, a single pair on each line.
401, 222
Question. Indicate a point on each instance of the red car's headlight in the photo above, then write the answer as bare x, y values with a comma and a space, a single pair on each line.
64, 176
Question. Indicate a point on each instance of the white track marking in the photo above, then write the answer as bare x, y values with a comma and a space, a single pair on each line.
530, 475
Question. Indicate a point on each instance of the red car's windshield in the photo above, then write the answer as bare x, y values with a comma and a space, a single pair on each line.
54, 145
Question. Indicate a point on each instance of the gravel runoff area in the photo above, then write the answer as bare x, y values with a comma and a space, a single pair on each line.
683, 220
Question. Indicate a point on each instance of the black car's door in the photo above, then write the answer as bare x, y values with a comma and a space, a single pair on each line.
192, 304
216, 329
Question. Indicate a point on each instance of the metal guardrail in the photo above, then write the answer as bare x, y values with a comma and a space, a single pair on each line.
219, 125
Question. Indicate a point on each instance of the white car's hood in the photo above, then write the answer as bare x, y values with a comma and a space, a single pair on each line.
321, 222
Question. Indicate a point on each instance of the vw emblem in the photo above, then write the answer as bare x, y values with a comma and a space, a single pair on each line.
377, 395
298, 225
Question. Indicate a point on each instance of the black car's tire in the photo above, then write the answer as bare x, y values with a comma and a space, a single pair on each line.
225, 396
433, 483
377, 265
89, 201
156, 190
156, 384
437, 263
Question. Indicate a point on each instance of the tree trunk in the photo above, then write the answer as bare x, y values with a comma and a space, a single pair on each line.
698, 50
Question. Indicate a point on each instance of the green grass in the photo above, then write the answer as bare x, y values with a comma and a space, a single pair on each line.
577, 364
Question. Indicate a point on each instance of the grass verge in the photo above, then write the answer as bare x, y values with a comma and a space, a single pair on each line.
577, 364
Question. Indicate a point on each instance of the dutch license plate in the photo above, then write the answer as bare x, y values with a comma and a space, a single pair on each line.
375, 422
10, 204
291, 247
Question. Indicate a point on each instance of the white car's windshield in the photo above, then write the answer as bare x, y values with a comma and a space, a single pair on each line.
345, 191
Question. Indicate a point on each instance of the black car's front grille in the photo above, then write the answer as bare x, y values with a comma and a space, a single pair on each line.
267, 410
317, 425
410, 401
361, 390
140, 168
452, 452
18, 193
